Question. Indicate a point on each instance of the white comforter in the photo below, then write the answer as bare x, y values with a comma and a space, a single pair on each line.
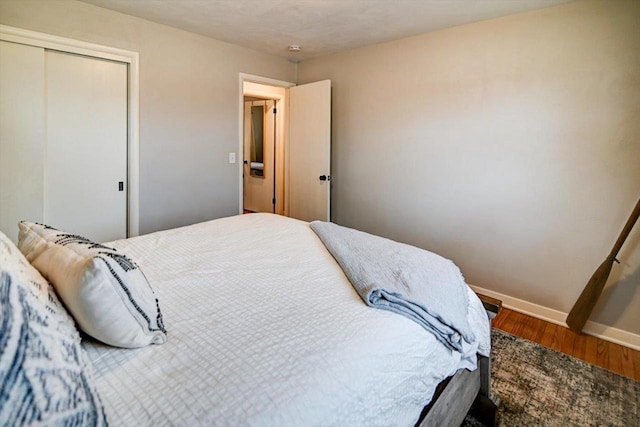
264, 329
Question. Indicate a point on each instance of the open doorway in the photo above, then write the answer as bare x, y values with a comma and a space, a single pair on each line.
301, 152
263, 149
259, 154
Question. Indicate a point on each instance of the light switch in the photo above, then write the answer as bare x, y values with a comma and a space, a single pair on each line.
232, 157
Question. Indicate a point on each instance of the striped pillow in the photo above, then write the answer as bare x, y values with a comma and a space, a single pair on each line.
104, 290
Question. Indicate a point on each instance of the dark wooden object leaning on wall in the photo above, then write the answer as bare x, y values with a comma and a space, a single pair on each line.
591, 293
466, 391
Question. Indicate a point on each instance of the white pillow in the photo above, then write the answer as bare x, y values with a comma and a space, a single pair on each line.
105, 291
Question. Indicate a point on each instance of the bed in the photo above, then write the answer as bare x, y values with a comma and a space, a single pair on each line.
264, 328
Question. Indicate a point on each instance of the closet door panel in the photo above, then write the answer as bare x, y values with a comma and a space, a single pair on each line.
86, 147
22, 78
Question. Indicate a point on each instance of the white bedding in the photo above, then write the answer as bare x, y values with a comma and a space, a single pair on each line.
264, 329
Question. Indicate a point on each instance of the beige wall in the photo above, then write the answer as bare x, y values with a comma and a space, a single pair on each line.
188, 104
511, 146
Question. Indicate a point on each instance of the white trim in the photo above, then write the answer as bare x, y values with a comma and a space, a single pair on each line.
63, 44
244, 77
48, 41
264, 80
608, 333
133, 161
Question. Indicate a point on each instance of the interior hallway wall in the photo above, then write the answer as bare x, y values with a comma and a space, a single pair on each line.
511, 146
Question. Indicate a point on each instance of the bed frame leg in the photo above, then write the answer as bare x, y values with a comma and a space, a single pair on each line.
483, 408
485, 411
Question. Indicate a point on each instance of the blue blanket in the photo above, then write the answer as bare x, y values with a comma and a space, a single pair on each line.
404, 279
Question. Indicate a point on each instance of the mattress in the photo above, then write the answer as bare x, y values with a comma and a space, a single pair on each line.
264, 329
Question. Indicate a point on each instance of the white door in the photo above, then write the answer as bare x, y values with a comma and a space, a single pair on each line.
310, 151
21, 135
85, 174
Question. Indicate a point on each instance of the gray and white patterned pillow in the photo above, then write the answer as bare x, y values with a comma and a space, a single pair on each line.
45, 374
104, 290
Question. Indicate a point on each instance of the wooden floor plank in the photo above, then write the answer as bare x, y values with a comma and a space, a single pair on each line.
626, 361
567, 345
540, 325
602, 357
579, 347
635, 356
614, 357
548, 335
592, 350
525, 330
558, 338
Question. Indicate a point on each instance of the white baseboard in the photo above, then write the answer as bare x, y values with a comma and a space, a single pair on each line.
599, 330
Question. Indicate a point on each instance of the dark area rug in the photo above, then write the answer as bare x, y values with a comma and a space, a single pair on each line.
537, 386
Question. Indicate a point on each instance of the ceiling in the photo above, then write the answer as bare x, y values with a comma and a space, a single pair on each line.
320, 27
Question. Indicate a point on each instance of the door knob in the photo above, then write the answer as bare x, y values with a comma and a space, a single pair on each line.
325, 178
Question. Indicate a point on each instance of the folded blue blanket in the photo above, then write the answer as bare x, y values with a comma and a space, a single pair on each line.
404, 279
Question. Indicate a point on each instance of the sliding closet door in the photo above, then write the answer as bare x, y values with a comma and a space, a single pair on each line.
85, 176
21, 135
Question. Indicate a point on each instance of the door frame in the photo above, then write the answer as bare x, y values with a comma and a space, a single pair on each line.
242, 78
131, 58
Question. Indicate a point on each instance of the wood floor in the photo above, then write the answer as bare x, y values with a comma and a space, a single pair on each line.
605, 354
